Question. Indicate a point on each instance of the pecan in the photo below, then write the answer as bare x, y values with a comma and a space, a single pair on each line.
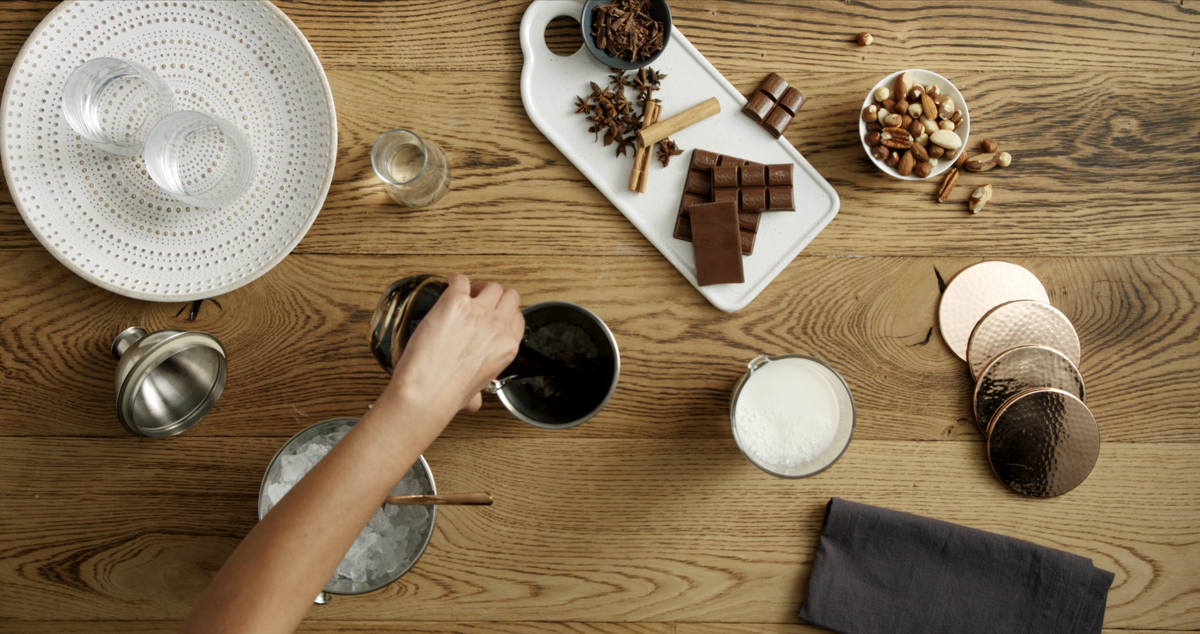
948, 184
896, 138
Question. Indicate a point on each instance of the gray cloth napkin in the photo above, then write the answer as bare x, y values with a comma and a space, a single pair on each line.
881, 571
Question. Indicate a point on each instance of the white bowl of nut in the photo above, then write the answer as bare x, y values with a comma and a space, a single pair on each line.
917, 147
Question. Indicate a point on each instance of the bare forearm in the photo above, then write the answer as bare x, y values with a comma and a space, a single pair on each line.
269, 582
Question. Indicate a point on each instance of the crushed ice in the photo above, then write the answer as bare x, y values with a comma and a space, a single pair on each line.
391, 538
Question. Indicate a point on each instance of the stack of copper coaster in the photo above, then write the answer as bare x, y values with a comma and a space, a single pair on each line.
1029, 395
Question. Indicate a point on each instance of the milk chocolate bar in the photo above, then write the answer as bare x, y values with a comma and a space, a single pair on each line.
774, 105
754, 187
718, 250
698, 190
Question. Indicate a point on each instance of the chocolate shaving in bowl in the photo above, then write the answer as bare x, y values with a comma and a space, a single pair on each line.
624, 29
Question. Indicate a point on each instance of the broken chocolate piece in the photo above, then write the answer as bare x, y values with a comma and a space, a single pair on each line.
717, 242
774, 104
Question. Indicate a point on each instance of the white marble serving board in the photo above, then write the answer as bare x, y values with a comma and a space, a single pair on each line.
549, 85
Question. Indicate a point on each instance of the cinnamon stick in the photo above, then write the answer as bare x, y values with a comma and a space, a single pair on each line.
641, 158
687, 118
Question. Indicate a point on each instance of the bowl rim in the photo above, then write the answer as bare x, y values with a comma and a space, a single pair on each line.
617, 63
964, 130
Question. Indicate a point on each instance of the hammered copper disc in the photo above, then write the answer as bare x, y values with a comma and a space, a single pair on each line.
1021, 323
1019, 369
1043, 443
975, 291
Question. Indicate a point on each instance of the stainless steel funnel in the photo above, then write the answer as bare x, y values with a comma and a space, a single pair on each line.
166, 381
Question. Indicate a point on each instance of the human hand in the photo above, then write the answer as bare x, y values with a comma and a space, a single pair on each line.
468, 337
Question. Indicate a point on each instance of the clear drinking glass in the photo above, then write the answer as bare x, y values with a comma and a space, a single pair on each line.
199, 158
414, 170
113, 103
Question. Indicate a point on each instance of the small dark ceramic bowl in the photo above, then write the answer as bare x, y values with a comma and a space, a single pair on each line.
658, 10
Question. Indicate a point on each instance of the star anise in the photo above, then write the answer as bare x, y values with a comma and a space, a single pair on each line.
582, 106
667, 149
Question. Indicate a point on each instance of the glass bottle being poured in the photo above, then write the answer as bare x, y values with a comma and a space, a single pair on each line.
406, 302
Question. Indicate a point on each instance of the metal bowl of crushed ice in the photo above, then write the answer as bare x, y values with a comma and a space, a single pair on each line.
792, 415
391, 542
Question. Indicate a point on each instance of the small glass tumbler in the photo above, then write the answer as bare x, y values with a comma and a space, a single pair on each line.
414, 170
199, 159
113, 103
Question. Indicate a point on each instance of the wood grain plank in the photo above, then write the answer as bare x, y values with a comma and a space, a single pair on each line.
582, 529
437, 35
796, 628
817, 36
297, 349
534, 627
1119, 181
346, 627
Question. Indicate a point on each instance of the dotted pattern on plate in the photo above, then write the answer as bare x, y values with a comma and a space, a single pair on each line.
101, 215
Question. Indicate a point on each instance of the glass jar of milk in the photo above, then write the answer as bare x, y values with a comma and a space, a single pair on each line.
792, 415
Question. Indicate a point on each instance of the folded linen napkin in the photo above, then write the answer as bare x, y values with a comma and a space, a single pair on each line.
881, 571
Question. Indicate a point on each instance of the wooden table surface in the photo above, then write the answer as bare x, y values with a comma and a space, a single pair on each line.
647, 519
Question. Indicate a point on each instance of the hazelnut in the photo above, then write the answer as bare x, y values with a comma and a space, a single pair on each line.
933, 161
946, 125
1005, 159
865, 39
872, 139
882, 93
893, 120
880, 153
923, 139
915, 128
933, 91
936, 151
915, 94
874, 126
989, 146
870, 113
893, 158
914, 111
901, 105
957, 117
922, 170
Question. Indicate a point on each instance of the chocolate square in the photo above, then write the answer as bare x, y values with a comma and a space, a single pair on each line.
777, 122
689, 200
725, 196
780, 199
752, 175
724, 176
704, 160
759, 106
717, 242
779, 175
774, 86
792, 101
749, 222
754, 199
698, 182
